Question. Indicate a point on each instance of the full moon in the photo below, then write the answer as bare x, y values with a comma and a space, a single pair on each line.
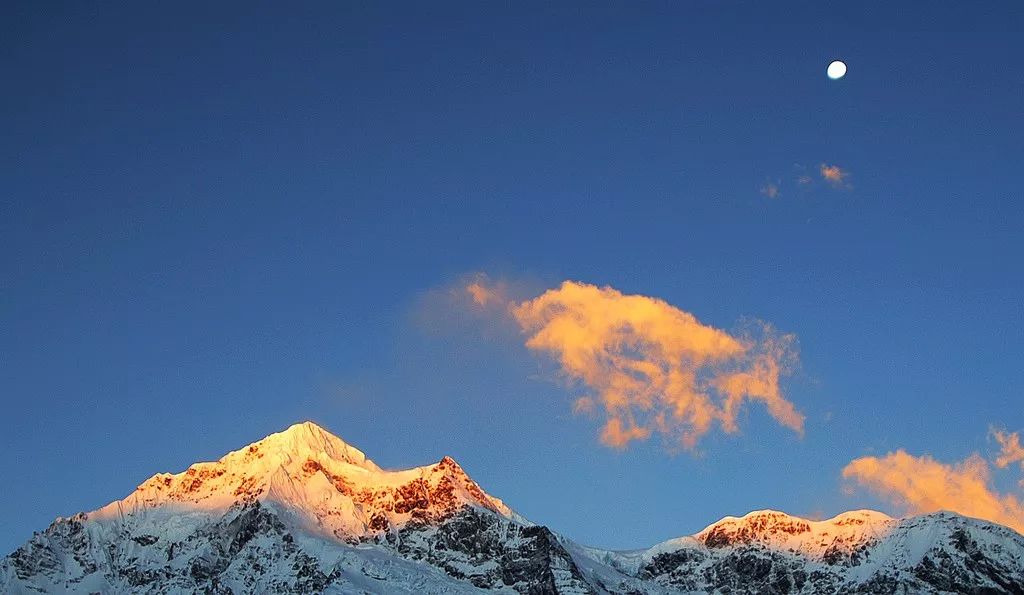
836, 70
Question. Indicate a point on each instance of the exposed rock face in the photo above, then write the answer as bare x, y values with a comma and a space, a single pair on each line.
303, 512
491, 552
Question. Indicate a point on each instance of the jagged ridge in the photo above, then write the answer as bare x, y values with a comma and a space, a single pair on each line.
301, 511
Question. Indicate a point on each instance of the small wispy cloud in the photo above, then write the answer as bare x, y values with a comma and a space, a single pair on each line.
770, 189
484, 294
834, 175
1010, 449
803, 180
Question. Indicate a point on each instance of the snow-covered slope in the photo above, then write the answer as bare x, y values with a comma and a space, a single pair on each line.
861, 551
301, 511
326, 486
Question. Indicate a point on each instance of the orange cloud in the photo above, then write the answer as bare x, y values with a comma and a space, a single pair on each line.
922, 485
653, 367
834, 175
1010, 449
584, 405
484, 292
481, 295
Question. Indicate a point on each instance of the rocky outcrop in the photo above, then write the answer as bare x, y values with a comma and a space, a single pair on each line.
492, 552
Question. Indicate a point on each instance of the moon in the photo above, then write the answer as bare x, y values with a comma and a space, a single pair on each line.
836, 70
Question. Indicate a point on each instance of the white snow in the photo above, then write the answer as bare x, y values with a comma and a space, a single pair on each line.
339, 507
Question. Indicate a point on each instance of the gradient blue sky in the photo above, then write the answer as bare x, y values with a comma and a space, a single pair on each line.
217, 221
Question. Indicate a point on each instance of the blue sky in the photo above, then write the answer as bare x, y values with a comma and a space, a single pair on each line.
218, 221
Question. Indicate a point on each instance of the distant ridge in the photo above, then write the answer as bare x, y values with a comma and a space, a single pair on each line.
302, 511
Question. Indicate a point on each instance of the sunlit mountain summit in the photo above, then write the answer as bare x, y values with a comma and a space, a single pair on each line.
302, 511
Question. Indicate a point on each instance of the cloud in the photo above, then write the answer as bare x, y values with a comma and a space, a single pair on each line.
465, 309
803, 181
584, 405
484, 295
1010, 449
653, 368
921, 485
834, 175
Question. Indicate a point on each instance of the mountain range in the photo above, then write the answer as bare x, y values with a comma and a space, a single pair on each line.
301, 511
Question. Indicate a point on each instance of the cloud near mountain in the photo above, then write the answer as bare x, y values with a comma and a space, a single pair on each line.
649, 367
1010, 450
921, 484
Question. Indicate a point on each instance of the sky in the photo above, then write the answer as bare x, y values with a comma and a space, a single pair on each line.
217, 221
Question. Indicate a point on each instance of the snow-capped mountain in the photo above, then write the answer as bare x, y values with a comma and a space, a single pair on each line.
301, 511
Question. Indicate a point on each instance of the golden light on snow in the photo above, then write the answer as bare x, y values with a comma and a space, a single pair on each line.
836, 70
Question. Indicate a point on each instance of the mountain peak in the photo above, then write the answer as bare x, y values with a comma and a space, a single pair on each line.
327, 485
772, 527
447, 462
301, 511
305, 426
306, 439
